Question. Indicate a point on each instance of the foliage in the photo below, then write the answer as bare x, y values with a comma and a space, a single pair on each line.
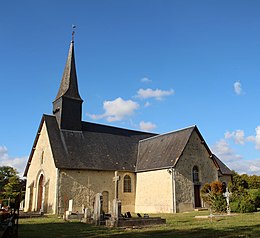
253, 181
212, 194
238, 184
243, 203
244, 197
246, 181
10, 183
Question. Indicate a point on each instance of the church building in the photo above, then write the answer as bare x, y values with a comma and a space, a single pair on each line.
75, 159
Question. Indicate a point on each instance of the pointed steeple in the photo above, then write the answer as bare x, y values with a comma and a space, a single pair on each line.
67, 106
69, 83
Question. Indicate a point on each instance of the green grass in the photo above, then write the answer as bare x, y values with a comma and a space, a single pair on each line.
178, 226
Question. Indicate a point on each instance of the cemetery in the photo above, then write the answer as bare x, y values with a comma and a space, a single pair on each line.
114, 219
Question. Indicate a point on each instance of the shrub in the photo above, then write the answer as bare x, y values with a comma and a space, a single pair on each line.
212, 194
248, 201
219, 203
255, 195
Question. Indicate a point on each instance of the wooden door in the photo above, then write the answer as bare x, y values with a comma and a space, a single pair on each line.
197, 195
40, 195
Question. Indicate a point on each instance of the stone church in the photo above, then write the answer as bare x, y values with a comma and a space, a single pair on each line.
74, 159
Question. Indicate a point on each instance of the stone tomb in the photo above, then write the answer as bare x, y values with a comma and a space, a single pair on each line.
70, 215
129, 221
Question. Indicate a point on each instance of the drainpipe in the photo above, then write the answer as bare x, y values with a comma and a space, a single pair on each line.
174, 189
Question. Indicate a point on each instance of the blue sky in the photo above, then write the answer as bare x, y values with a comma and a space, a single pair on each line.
158, 65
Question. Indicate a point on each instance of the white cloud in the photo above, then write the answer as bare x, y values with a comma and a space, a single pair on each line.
238, 88
234, 161
18, 163
146, 80
147, 126
246, 166
147, 104
116, 110
238, 136
158, 94
256, 138
223, 150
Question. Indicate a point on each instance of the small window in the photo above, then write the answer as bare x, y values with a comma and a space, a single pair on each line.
195, 174
42, 157
127, 184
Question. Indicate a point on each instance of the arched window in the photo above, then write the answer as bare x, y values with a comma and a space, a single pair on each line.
127, 184
195, 174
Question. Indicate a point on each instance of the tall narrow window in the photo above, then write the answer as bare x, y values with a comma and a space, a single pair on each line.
195, 174
42, 157
127, 184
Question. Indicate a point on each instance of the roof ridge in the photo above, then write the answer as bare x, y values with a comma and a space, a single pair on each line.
167, 133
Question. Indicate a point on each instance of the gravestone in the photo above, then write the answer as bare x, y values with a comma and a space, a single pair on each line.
116, 210
116, 205
69, 211
97, 209
70, 206
87, 216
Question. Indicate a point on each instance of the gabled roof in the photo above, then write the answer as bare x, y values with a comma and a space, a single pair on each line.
223, 169
96, 147
163, 151
69, 83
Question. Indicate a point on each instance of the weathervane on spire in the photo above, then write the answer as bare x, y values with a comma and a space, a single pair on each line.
73, 32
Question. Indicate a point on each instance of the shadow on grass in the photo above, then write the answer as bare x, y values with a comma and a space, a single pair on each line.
77, 229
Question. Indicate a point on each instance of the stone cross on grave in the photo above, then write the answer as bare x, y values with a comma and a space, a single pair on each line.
227, 196
116, 179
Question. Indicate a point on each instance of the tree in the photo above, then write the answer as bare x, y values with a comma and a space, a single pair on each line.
245, 193
212, 195
10, 183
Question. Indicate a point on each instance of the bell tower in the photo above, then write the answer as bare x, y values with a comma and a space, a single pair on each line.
67, 106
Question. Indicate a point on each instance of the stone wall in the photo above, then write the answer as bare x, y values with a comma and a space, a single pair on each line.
42, 163
195, 154
225, 179
82, 185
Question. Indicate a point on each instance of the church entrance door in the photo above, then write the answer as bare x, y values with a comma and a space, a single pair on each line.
197, 195
40, 193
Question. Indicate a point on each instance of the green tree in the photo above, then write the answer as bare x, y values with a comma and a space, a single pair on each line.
10, 183
245, 193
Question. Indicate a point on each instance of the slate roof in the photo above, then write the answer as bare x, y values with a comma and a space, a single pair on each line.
163, 151
69, 82
96, 147
222, 167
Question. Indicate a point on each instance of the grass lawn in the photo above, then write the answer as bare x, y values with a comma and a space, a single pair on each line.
178, 226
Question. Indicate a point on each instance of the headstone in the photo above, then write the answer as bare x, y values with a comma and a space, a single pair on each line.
21, 205
97, 208
116, 179
227, 196
116, 212
70, 206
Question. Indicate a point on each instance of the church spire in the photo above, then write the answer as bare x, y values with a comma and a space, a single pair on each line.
67, 106
69, 82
